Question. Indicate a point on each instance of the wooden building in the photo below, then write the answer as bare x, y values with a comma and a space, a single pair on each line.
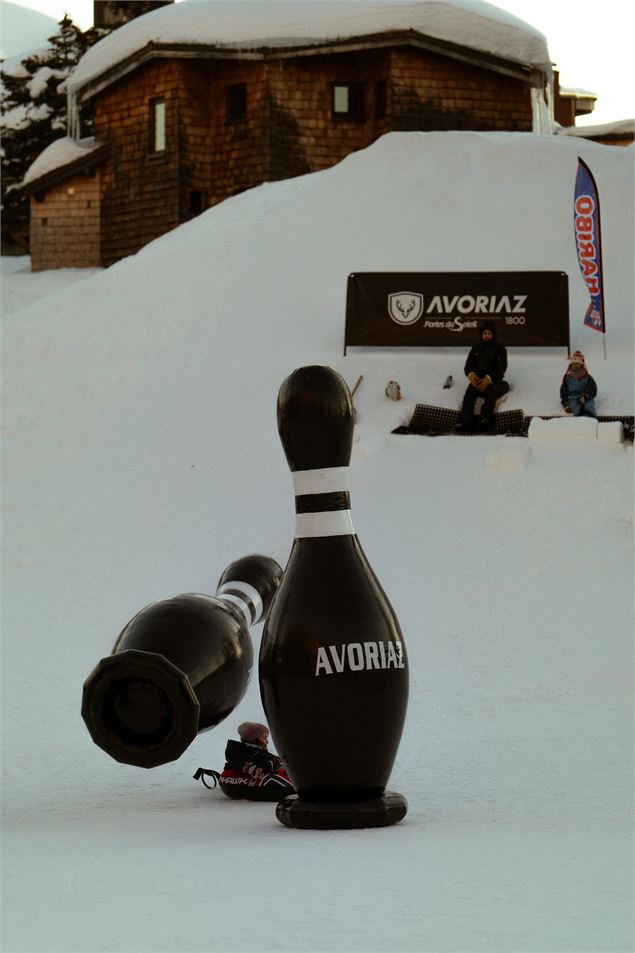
621, 133
180, 126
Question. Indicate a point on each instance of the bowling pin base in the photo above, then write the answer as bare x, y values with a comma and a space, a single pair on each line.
382, 811
140, 708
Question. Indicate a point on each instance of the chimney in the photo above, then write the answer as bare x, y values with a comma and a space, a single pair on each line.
110, 14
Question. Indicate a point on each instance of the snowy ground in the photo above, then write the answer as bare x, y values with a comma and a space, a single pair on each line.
141, 457
19, 287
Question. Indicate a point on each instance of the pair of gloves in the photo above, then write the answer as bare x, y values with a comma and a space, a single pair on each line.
479, 383
582, 399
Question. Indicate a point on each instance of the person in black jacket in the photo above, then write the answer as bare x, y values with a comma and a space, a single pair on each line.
251, 771
484, 368
250, 755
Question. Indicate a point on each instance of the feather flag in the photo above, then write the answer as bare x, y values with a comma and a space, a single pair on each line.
586, 223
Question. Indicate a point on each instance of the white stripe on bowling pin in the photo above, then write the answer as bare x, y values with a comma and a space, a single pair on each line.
328, 480
329, 523
251, 594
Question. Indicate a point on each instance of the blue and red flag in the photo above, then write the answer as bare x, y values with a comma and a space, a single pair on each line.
586, 224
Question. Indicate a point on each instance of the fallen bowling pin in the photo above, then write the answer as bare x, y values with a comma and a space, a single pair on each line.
333, 667
180, 666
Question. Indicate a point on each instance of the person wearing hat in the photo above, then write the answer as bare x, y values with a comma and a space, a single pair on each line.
485, 369
578, 390
250, 755
251, 771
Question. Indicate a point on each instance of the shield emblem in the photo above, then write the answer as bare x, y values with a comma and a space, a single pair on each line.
405, 307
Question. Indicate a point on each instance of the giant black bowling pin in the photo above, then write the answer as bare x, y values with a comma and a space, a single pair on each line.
179, 666
333, 666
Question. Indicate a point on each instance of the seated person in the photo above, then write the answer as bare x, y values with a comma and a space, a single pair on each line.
578, 389
251, 771
249, 762
484, 368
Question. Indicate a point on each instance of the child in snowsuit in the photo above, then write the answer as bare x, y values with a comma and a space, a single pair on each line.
250, 770
250, 754
578, 389
484, 368
250, 767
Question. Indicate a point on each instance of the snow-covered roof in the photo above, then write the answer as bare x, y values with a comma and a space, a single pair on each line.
259, 25
574, 93
60, 153
622, 127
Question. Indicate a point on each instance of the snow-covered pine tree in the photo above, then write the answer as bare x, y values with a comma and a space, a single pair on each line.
33, 114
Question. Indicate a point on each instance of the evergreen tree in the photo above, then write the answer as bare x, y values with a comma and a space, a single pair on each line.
33, 109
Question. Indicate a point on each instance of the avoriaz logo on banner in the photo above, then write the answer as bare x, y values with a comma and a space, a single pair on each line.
447, 308
406, 307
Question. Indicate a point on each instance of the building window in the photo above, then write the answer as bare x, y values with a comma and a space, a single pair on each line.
157, 125
236, 109
380, 99
348, 101
197, 203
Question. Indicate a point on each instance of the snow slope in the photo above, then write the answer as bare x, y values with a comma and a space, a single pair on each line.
141, 457
20, 288
23, 29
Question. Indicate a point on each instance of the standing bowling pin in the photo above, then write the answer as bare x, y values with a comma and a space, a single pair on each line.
179, 666
333, 666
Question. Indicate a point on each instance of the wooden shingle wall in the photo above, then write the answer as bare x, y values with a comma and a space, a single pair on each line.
431, 92
65, 225
301, 94
219, 158
140, 197
288, 129
616, 139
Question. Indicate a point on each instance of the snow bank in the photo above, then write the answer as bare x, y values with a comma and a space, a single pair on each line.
23, 29
141, 456
509, 457
565, 430
19, 288
572, 431
252, 25
610, 431
457, 201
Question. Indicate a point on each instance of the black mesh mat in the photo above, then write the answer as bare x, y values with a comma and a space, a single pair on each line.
431, 421
428, 420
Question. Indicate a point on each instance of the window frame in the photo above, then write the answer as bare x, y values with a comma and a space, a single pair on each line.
235, 103
197, 202
381, 99
356, 111
158, 143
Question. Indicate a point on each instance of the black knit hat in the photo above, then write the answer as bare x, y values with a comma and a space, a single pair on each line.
488, 326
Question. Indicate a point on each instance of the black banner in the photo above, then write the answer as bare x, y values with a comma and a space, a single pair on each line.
446, 309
